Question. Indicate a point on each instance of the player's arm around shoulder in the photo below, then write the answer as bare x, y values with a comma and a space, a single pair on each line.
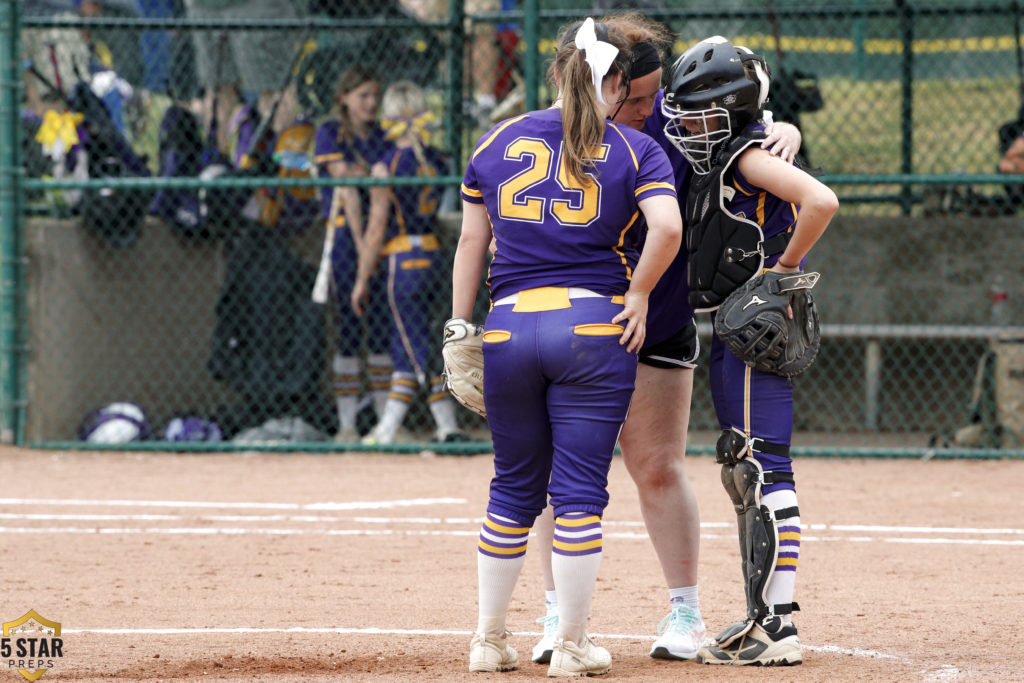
817, 202
782, 140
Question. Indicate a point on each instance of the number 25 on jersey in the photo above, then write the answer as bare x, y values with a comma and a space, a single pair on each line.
582, 204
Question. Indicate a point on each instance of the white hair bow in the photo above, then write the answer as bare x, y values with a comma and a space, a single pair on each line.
599, 54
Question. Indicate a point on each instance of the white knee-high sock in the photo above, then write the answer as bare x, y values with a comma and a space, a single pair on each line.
442, 408
575, 560
782, 585
501, 553
378, 367
403, 389
346, 389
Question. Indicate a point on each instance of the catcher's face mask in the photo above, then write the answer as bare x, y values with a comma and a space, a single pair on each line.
696, 133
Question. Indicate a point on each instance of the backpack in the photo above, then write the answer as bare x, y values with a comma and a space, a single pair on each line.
292, 209
181, 149
115, 215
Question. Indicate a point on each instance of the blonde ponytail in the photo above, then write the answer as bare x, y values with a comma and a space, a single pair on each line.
583, 117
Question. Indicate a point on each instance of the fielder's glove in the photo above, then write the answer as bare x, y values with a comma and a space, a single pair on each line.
752, 322
464, 363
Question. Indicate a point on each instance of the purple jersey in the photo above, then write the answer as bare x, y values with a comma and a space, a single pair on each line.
549, 230
774, 215
414, 206
668, 308
362, 153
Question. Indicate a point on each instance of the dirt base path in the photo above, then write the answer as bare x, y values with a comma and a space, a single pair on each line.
267, 567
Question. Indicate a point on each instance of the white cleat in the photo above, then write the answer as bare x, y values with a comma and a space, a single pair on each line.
491, 652
681, 634
542, 650
569, 659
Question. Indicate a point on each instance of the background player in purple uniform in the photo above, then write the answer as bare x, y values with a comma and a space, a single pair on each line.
561, 191
716, 99
653, 439
348, 146
412, 262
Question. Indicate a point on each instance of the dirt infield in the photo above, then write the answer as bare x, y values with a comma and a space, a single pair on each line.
265, 567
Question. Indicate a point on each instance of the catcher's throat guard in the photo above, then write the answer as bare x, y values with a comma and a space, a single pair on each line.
723, 250
759, 541
754, 324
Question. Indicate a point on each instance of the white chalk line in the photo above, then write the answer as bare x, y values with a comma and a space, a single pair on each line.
828, 649
252, 531
320, 519
834, 532
948, 673
348, 505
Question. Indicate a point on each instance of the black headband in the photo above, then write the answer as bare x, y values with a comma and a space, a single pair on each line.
645, 59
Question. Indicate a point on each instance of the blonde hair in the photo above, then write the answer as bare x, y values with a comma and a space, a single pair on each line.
402, 99
406, 101
582, 116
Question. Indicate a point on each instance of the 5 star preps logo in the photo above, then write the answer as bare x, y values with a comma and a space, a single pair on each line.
32, 645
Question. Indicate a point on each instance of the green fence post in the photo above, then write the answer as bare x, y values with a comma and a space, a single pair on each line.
531, 60
859, 31
907, 104
10, 227
453, 112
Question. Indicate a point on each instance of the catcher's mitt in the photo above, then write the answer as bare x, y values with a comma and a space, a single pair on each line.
464, 363
752, 322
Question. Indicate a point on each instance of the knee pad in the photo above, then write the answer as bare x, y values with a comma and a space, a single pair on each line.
759, 539
731, 446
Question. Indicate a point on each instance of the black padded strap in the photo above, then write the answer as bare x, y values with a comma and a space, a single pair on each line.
785, 608
762, 446
775, 244
786, 513
778, 478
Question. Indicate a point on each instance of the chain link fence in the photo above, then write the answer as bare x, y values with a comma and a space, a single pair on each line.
184, 160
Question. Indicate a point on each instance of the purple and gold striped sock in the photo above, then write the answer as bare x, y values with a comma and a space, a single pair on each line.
501, 553
782, 585
503, 538
578, 533
789, 547
575, 561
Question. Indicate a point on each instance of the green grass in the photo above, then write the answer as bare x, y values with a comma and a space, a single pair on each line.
955, 125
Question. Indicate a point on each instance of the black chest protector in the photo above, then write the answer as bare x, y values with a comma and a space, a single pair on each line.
724, 250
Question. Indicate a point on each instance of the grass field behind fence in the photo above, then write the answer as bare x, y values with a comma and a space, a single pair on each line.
955, 125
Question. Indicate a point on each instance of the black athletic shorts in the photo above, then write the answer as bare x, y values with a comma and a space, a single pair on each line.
678, 351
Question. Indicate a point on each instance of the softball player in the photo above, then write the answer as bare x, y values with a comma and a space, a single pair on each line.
412, 263
715, 108
561, 191
653, 438
346, 146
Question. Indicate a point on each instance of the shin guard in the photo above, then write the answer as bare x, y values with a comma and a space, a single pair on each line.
759, 540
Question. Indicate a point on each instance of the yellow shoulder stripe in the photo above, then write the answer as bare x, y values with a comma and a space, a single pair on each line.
636, 164
502, 127
654, 186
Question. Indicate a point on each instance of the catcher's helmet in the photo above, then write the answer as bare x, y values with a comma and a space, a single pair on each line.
717, 88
